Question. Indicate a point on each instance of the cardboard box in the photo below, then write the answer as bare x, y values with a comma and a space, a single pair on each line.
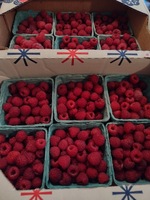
46, 63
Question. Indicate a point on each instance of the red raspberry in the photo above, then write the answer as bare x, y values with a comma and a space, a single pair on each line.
99, 139
3, 163
88, 85
6, 106
136, 155
30, 156
61, 108
126, 143
100, 103
14, 111
82, 179
72, 150
128, 163
120, 175
94, 96
45, 110
60, 133
114, 142
23, 184
66, 179
131, 176
35, 111
77, 91
73, 131
115, 106
112, 129
31, 101
147, 144
21, 161
30, 146
5, 148
24, 91
12, 173
124, 106
40, 143
90, 116
62, 99
54, 152
80, 144
62, 89
64, 161
11, 157
94, 158
2, 138
70, 104
18, 146
90, 107
91, 173
129, 127
81, 102
134, 79
102, 166
55, 175
28, 173
139, 136
72, 45
122, 46
63, 116
135, 106
38, 168
14, 121
20, 84
17, 101
30, 120
103, 178
80, 115
63, 144
25, 110
91, 147
40, 134
118, 165
146, 155
93, 78
83, 135
117, 153
138, 95
41, 95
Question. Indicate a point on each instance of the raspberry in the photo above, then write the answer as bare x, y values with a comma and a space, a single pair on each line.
28, 173
6, 106
88, 85
112, 129
36, 182
122, 46
18, 146
17, 101
30, 156
30, 146
3, 163
114, 142
40, 134
21, 161
109, 41
35, 111
94, 158
100, 103
136, 155
81, 102
24, 91
129, 127
2, 138
91, 147
62, 89
90, 116
128, 163
137, 146
103, 178
124, 106
115, 105
70, 104
32, 101
45, 110
146, 155
43, 85
147, 144
14, 121
64, 161
83, 135
117, 153
131, 175
38, 168
99, 139
134, 79
135, 106
14, 112
23, 184
40, 153
118, 165
139, 136
93, 78
63, 144
72, 150
77, 91
25, 110
12, 173
62, 99
61, 108
54, 152
60, 133
102, 166
54, 140
73, 131
41, 95
82, 179
90, 107
40, 143
120, 175
30, 120
40, 38
5, 148
80, 145
80, 115
21, 135
126, 143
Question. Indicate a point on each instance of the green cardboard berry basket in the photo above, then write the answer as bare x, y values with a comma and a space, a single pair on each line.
5, 94
103, 37
107, 14
65, 79
11, 132
117, 182
109, 78
80, 39
106, 157
56, 21
22, 15
28, 36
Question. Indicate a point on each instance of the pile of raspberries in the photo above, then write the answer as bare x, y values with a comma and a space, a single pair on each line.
41, 23
118, 42
130, 149
75, 43
81, 100
109, 24
40, 41
29, 103
77, 156
73, 24
22, 158
127, 98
